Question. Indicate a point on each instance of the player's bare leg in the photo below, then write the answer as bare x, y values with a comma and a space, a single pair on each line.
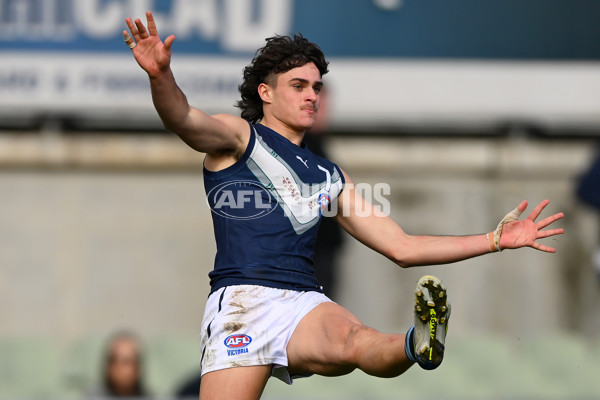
241, 383
331, 341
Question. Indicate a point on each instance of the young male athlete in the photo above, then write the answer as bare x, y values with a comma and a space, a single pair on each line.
266, 314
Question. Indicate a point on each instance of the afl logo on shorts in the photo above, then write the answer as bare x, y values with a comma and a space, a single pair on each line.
238, 341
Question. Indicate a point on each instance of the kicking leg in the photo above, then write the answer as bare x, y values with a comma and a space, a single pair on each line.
330, 340
240, 383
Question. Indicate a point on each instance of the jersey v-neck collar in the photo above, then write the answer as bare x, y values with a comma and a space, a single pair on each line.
282, 138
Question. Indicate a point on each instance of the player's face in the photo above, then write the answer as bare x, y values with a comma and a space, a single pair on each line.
296, 96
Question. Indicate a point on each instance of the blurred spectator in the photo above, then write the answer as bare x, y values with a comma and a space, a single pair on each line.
122, 370
589, 192
330, 236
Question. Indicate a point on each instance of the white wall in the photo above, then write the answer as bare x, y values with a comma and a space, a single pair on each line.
87, 249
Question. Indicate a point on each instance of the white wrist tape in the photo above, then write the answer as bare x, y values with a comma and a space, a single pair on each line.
494, 237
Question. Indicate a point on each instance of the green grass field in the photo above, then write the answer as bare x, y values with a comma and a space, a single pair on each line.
483, 367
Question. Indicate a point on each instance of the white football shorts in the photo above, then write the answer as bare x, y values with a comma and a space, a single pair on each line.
246, 325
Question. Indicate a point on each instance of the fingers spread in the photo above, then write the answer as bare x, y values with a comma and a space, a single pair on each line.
141, 28
547, 221
550, 232
541, 247
151, 24
133, 29
538, 210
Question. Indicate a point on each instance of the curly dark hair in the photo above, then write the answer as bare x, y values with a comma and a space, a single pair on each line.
280, 54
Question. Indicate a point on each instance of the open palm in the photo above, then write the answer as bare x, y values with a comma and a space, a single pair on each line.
525, 233
149, 51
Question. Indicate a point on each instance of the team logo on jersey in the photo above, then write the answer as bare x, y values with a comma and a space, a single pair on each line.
324, 201
238, 344
241, 200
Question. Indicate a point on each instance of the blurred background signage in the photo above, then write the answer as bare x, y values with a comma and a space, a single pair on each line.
531, 60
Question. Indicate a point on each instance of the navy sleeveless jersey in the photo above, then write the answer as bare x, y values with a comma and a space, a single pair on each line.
266, 210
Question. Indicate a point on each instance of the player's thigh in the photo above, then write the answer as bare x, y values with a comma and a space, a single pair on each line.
319, 343
240, 383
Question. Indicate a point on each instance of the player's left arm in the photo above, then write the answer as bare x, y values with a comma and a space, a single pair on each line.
379, 232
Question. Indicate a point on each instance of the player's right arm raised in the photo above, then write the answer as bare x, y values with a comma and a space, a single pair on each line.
216, 134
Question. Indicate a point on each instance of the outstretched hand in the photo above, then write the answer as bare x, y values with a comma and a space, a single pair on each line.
525, 233
149, 51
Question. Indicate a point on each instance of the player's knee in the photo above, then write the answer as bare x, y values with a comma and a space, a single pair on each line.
353, 345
